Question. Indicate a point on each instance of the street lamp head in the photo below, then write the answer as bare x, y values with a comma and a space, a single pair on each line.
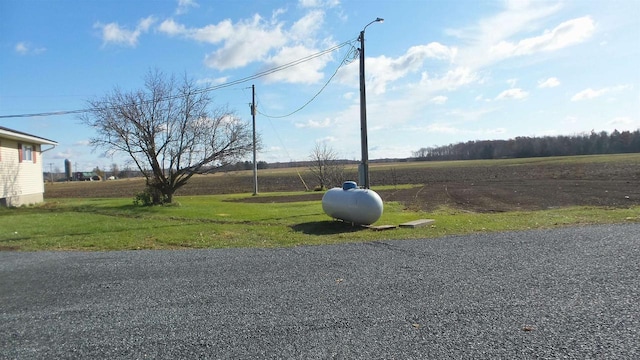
376, 20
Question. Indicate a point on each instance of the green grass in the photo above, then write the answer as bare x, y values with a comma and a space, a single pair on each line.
218, 222
633, 158
551, 160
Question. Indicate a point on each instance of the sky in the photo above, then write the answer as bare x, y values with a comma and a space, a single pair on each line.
436, 72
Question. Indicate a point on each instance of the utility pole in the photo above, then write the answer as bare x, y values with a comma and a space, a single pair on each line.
255, 164
363, 168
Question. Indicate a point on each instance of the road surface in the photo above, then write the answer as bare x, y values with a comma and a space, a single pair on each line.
562, 293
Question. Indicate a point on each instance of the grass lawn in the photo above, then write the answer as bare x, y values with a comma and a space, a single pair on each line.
216, 221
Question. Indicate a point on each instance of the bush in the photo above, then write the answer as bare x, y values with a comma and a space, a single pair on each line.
149, 197
143, 198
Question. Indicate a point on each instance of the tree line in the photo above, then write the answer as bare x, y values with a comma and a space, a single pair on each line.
524, 147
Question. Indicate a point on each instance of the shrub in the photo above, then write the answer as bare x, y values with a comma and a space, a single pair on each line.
149, 197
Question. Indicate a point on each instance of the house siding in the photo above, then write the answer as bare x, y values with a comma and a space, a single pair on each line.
21, 183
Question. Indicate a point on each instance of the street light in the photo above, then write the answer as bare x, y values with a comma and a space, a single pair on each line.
363, 169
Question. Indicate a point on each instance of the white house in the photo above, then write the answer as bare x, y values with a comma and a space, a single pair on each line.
21, 179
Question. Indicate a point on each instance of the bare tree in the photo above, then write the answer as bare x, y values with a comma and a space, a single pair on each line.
421, 154
169, 131
325, 167
115, 170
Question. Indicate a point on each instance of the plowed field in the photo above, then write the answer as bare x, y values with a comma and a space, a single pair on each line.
480, 186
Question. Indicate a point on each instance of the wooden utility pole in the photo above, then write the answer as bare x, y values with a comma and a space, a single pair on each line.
363, 168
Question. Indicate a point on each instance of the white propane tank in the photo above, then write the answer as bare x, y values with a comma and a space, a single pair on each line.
358, 206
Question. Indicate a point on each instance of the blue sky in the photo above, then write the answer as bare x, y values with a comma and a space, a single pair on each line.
437, 72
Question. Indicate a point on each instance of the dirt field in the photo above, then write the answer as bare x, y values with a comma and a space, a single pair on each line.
530, 184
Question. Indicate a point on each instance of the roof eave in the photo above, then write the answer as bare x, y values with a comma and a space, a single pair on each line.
19, 136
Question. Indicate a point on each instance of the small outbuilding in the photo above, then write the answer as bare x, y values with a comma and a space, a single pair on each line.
21, 178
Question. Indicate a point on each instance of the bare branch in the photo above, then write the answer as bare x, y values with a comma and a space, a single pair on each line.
325, 167
169, 130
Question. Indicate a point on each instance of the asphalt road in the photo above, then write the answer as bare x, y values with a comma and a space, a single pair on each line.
567, 293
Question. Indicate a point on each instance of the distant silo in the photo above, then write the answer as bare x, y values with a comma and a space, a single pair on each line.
67, 170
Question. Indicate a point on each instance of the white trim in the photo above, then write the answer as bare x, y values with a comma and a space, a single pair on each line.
8, 134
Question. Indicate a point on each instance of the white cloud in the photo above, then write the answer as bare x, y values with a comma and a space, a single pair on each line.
256, 39
307, 25
566, 34
326, 139
515, 93
185, 5
590, 93
512, 82
310, 3
382, 70
25, 48
259, 40
439, 100
113, 33
314, 124
145, 24
624, 121
307, 72
509, 33
22, 48
549, 83
518, 16
245, 43
213, 81
433, 50
318, 3
172, 28
66, 154
411, 61
451, 80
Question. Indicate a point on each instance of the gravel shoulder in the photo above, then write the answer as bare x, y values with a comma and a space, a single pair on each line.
562, 293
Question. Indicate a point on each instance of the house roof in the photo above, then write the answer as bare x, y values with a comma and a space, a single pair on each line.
21, 136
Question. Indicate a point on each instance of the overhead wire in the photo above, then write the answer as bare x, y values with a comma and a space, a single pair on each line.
344, 61
347, 58
198, 91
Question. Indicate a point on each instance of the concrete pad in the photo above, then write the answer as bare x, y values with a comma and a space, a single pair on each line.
382, 227
417, 223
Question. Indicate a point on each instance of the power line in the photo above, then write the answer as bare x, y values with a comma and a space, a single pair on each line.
344, 61
199, 91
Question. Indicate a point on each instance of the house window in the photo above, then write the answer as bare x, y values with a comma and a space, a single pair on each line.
26, 153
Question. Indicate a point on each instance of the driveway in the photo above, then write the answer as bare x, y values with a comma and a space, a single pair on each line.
562, 293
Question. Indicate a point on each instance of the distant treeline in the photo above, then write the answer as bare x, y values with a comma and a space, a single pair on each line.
244, 165
526, 147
